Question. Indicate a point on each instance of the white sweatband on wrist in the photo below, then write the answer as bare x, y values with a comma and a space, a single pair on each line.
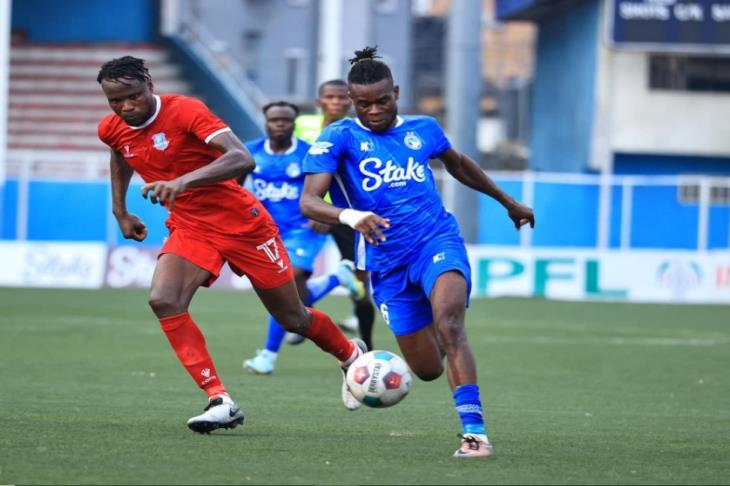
351, 217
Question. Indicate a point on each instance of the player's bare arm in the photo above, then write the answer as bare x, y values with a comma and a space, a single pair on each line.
121, 173
468, 172
317, 227
313, 206
235, 162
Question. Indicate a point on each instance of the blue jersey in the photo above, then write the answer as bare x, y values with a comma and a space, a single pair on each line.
386, 173
278, 179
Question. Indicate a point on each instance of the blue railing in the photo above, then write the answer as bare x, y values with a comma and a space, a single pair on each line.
580, 211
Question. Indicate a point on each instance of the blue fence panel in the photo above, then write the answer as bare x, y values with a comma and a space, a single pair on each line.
63, 211
494, 227
659, 220
614, 240
10, 209
719, 227
566, 215
152, 215
569, 215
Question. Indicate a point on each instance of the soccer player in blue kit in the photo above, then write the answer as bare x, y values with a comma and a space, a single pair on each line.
277, 182
377, 166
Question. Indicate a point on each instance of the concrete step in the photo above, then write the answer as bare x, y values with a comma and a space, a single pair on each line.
85, 86
87, 114
84, 72
51, 127
67, 156
65, 164
55, 106
87, 142
91, 53
69, 102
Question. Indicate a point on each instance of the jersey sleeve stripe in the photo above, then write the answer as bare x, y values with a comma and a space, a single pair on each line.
216, 133
340, 183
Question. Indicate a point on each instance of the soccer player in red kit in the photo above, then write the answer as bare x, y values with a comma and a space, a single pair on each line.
189, 160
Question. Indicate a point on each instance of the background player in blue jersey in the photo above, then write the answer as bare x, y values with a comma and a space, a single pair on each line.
378, 167
277, 182
335, 104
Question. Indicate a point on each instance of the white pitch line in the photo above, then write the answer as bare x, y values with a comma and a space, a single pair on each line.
617, 341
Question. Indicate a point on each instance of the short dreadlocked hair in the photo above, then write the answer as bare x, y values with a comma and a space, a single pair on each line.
366, 69
281, 103
126, 67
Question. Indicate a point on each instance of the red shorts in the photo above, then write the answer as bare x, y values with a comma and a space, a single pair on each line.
260, 255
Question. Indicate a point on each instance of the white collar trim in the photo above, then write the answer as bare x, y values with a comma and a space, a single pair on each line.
398, 122
290, 150
150, 120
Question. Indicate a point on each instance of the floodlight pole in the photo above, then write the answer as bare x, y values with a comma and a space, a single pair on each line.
329, 52
463, 92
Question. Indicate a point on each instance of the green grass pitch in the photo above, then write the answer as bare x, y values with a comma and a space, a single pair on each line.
582, 393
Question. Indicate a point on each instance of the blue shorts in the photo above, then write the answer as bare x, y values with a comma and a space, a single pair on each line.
402, 294
303, 245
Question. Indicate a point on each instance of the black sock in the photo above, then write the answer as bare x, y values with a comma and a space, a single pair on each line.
365, 312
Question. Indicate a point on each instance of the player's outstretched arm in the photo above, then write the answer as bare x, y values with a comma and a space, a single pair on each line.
121, 173
235, 162
468, 172
313, 206
312, 203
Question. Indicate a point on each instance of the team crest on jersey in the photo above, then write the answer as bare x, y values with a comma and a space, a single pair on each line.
412, 141
128, 152
160, 141
293, 170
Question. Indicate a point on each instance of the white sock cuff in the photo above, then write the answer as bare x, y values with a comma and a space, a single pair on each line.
355, 354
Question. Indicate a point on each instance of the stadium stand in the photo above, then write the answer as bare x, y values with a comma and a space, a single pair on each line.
55, 104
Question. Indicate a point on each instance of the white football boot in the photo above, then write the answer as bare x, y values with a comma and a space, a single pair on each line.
221, 412
348, 399
262, 364
474, 445
346, 275
349, 325
294, 338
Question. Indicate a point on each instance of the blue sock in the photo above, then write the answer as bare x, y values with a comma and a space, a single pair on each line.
469, 408
320, 286
275, 336
317, 288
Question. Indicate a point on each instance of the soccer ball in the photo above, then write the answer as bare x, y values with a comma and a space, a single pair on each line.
379, 379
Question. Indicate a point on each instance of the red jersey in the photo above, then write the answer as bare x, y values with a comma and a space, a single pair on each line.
173, 142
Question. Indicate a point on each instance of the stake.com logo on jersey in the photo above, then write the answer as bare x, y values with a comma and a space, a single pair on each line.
378, 173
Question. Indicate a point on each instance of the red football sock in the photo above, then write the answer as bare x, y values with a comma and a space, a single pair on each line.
189, 345
325, 334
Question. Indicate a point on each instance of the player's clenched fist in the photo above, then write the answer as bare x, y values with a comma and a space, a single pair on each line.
521, 215
132, 227
163, 192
